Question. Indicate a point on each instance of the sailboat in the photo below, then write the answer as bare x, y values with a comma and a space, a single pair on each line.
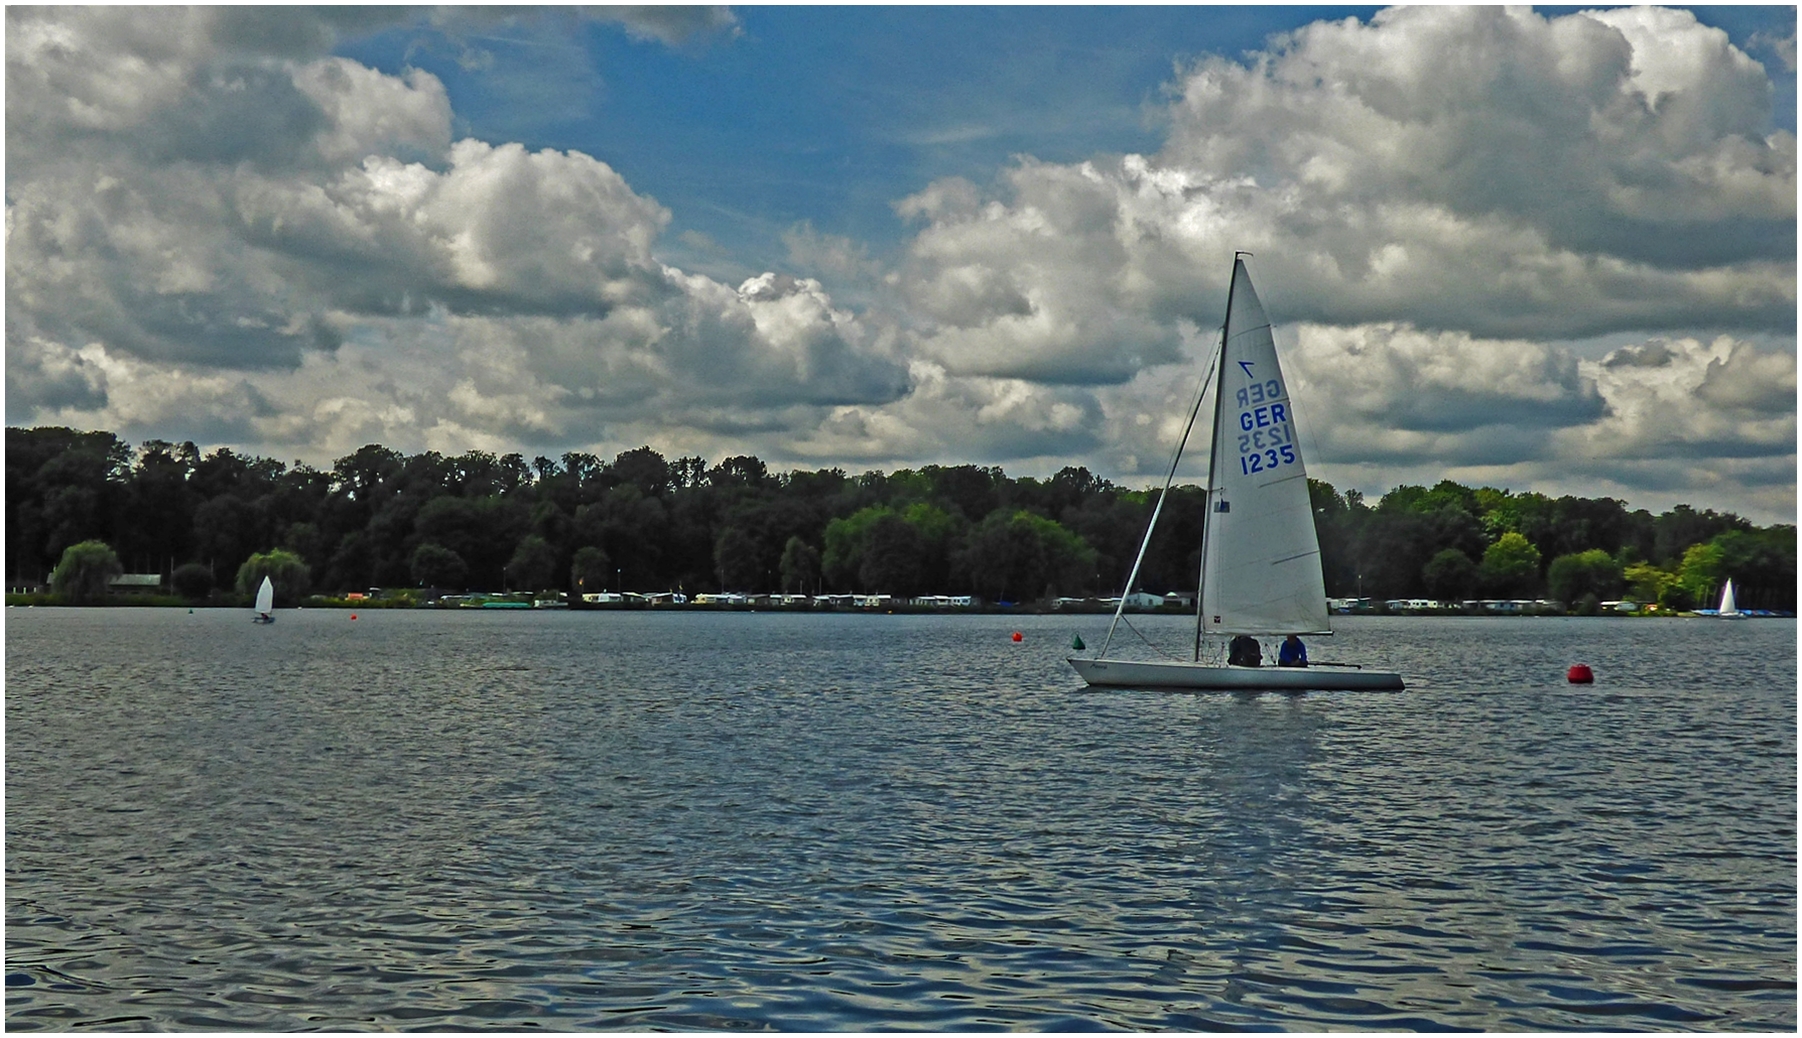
1729, 609
1260, 558
265, 603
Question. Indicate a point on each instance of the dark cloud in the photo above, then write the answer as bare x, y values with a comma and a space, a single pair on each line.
297, 32
1433, 410
233, 114
40, 379
1651, 355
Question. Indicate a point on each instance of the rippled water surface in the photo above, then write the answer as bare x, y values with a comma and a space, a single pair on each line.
633, 820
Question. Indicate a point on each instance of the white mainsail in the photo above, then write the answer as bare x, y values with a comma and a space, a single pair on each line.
1728, 606
1261, 558
266, 598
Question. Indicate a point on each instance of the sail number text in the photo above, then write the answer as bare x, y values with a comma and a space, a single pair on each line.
1266, 440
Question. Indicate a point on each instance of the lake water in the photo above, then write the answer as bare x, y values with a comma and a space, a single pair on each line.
733, 821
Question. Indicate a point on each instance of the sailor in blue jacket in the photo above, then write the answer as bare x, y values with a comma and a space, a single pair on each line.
1293, 653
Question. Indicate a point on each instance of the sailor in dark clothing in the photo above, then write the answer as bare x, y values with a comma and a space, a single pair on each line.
1293, 653
1244, 651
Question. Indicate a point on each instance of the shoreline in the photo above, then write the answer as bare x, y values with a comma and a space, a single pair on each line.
17, 601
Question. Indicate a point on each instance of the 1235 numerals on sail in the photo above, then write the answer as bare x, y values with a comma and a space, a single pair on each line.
1267, 440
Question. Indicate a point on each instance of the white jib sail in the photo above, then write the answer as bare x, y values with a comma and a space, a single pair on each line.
266, 597
1262, 566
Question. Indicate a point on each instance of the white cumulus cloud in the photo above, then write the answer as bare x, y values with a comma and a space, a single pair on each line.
217, 229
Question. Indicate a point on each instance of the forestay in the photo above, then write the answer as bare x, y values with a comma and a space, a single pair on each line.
1261, 558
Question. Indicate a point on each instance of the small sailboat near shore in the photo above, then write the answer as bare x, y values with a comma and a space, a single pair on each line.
265, 608
1729, 609
1260, 557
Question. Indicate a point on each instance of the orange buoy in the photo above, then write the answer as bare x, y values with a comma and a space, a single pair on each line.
1019, 637
1580, 674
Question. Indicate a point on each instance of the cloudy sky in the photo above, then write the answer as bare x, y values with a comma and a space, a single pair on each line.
1546, 249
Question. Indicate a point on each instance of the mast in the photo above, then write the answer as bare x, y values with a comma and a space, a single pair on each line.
1207, 518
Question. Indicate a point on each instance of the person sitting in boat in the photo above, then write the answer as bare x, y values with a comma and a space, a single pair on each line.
1244, 651
1293, 653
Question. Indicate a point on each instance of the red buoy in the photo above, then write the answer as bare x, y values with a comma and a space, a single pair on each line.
353, 616
1580, 674
1019, 637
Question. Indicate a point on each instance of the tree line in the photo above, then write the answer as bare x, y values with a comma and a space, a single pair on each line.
382, 519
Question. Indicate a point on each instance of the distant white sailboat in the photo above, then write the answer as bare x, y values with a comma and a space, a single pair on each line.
265, 603
1729, 610
1260, 567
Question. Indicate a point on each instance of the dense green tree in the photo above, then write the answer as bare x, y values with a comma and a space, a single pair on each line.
645, 469
1450, 576
391, 538
1594, 572
481, 530
62, 487
1646, 582
846, 539
85, 572
735, 561
533, 566
1676, 597
770, 519
305, 540
224, 533
590, 571
800, 567
891, 557
969, 490
1394, 547
688, 472
1702, 571
939, 532
1584, 524
1676, 530
435, 566
284, 569
192, 580
1023, 557
71, 514
551, 522
1510, 567
632, 528
741, 471
159, 502
351, 567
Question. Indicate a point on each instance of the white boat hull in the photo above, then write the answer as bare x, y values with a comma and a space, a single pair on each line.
1152, 674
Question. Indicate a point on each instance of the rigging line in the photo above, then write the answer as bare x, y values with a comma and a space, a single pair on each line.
1148, 642
1201, 392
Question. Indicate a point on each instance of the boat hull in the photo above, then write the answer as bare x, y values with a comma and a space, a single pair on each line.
1153, 674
